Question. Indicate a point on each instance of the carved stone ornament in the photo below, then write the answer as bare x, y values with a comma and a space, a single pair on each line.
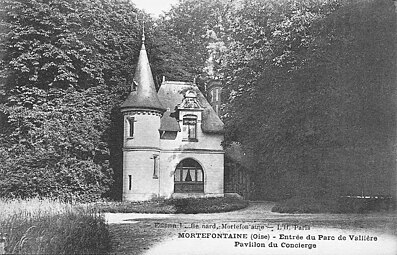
190, 101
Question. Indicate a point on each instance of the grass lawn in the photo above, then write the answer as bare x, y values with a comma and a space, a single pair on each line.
43, 226
184, 205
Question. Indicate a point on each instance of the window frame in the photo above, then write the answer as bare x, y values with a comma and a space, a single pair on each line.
191, 136
192, 168
131, 127
129, 182
156, 165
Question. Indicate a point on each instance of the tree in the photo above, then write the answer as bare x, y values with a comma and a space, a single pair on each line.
56, 147
63, 43
298, 76
65, 68
190, 34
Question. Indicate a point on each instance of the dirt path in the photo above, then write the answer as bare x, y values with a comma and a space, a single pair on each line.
157, 233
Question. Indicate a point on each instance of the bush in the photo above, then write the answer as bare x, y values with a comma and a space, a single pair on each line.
183, 205
364, 205
48, 227
208, 205
334, 205
302, 205
134, 207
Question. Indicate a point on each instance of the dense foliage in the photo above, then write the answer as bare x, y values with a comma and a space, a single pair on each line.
65, 66
67, 43
190, 40
311, 94
54, 145
308, 90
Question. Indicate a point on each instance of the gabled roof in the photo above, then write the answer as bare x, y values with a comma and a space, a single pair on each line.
171, 94
145, 97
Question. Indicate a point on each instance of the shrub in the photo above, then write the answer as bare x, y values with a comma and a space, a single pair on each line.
49, 227
183, 205
333, 205
208, 205
364, 205
302, 205
134, 207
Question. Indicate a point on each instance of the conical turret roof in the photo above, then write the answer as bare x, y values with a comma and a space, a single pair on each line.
145, 96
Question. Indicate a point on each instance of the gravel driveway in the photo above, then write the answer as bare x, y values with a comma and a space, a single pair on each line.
151, 234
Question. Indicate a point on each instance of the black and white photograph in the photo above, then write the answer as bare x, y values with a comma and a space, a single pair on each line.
198, 127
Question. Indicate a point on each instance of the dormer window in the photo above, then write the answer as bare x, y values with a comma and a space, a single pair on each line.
190, 125
189, 112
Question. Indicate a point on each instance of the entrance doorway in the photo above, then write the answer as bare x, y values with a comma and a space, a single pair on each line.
189, 177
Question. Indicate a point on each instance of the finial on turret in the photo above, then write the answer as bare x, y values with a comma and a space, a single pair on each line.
143, 32
144, 95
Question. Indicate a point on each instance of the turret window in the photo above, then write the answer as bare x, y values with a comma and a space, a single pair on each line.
131, 124
156, 166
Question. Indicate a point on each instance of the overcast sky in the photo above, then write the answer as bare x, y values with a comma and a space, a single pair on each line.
155, 7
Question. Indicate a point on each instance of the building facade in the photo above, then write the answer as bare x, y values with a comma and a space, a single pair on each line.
172, 140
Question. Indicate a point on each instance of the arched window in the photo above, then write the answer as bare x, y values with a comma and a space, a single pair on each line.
189, 177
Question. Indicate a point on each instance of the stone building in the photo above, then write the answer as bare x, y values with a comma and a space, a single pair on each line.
172, 140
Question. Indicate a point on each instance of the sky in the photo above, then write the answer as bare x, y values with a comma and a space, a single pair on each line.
155, 7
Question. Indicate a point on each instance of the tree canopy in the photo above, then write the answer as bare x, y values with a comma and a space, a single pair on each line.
308, 90
311, 93
65, 68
